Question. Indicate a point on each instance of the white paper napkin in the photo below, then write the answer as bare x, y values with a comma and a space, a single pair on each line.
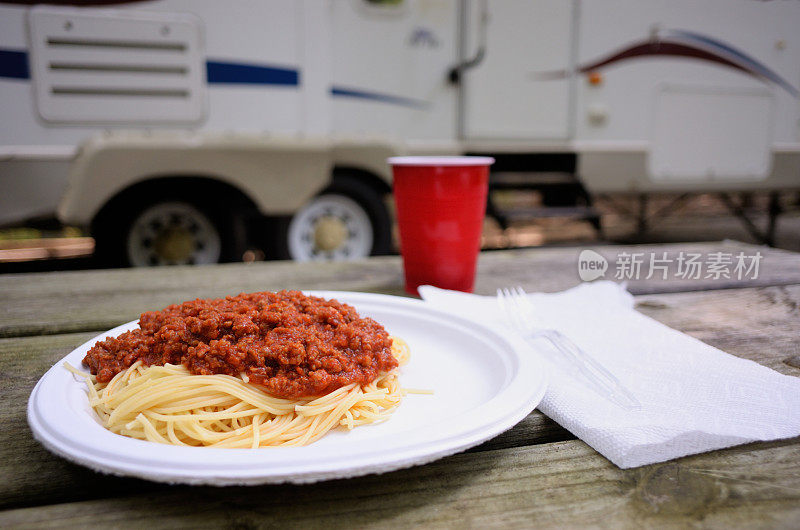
694, 397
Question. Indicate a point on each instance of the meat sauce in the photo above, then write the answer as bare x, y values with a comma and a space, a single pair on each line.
291, 344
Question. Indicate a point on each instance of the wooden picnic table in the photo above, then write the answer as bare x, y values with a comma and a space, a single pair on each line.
536, 474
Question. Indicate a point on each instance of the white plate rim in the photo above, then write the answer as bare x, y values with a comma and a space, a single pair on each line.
519, 396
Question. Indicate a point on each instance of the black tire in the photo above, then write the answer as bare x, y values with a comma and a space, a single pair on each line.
112, 227
367, 196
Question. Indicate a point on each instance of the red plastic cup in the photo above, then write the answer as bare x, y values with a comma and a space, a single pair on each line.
441, 202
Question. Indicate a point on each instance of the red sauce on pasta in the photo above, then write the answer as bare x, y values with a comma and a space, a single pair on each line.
291, 344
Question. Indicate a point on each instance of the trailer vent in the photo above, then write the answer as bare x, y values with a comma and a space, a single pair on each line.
116, 67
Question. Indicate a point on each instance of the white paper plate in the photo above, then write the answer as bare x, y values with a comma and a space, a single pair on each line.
482, 386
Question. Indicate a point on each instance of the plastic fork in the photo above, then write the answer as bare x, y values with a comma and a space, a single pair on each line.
519, 310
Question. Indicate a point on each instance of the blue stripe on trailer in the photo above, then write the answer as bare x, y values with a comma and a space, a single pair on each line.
377, 96
14, 64
750, 63
250, 74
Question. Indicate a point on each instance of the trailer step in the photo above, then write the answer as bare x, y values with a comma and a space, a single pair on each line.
542, 212
584, 213
530, 180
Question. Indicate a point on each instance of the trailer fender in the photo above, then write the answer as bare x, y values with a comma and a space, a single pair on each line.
278, 175
369, 157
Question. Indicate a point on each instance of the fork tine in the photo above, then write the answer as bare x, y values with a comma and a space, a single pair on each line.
525, 307
518, 310
514, 309
501, 302
506, 303
512, 296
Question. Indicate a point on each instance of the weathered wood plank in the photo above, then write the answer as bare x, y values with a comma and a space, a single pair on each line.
64, 302
760, 324
564, 484
556, 269
29, 474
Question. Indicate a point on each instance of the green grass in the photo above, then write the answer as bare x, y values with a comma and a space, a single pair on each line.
8, 234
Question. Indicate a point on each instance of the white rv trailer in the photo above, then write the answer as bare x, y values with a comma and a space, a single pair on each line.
178, 130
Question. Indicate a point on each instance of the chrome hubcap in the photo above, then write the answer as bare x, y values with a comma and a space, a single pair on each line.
173, 233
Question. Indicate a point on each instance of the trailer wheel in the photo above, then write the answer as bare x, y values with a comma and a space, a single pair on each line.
348, 220
163, 232
172, 233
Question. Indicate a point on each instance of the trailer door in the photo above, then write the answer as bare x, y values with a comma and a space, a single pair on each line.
521, 89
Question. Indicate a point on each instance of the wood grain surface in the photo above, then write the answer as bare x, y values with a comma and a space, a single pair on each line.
62, 302
536, 474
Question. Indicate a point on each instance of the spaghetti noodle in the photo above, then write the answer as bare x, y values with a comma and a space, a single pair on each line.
168, 404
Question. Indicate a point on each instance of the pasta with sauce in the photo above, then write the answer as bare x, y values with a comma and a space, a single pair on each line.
256, 370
